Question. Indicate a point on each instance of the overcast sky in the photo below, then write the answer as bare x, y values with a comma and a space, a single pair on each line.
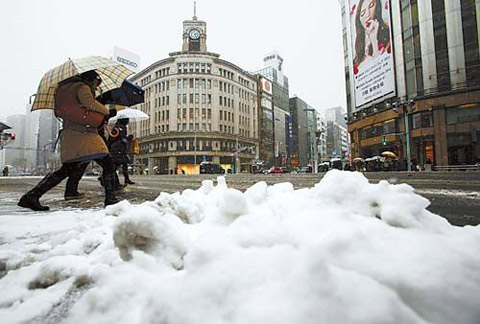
40, 34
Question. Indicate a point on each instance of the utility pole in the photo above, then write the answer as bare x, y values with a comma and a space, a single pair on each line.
406, 106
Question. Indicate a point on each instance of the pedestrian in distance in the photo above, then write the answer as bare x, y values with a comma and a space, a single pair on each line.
5, 171
79, 139
117, 145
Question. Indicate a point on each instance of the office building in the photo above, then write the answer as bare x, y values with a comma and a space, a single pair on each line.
417, 91
201, 108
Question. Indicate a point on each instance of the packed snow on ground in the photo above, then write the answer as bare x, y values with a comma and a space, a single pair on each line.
344, 251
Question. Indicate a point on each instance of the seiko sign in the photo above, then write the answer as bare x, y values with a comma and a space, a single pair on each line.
127, 59
127, 62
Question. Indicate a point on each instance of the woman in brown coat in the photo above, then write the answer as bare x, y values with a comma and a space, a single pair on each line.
79, 142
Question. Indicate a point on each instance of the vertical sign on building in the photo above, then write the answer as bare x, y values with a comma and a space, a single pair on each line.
130, 60
266, 86
372, 48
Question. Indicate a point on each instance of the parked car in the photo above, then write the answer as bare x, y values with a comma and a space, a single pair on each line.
307, 169
275, 169
211, 168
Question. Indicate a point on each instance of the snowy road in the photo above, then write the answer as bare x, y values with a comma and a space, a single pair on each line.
453, 195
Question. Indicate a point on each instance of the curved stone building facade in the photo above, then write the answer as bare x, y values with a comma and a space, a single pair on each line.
201, 108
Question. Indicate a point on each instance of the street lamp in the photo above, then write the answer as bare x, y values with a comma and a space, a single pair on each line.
406, 105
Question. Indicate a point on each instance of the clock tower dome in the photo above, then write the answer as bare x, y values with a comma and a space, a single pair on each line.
194, 35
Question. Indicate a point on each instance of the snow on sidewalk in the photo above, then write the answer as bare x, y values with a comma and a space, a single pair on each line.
344, 251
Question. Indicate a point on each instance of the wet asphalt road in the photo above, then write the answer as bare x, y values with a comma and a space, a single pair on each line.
453, 195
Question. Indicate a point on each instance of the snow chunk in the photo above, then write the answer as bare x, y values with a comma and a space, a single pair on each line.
148, 230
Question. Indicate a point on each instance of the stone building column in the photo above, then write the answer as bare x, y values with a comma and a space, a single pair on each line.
456, 55
398, 49
151, 164
427, 44
440, 132
172, 164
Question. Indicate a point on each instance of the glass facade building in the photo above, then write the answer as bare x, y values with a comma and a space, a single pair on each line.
435, 105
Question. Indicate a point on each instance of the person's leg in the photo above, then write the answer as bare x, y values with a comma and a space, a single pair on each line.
108, 177
31, 198
71, 189
125, 174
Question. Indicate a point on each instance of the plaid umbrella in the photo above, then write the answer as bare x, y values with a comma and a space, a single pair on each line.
112, 75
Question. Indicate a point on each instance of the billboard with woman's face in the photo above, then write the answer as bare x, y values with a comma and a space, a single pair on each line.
373, 64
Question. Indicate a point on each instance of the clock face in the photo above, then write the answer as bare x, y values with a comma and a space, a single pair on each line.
194, 34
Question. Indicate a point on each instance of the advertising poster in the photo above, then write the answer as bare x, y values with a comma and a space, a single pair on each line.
372, 48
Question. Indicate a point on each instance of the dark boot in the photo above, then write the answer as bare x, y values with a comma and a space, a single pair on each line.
31, 198
128, 181
126, 176
118, 185
109, 184
71, 189
74, 196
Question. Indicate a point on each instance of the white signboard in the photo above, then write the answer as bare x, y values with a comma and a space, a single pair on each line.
266, 86
126, 58
372, 48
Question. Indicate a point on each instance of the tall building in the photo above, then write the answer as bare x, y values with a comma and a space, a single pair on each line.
323, 155
14, 153
266, 132
337, 141
304, 132
336, 114
414, 89
201, 108
32, 120
47, 158
273, 72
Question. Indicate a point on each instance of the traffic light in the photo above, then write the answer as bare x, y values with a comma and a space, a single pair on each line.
384, 140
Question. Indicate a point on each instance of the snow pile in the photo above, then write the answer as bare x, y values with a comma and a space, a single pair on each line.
345, 251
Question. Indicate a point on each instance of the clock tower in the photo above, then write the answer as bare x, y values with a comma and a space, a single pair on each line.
194, 35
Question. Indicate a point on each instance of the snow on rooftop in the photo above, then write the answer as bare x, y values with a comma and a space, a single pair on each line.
344, 251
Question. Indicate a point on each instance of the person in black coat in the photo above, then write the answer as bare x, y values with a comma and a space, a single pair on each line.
117, 144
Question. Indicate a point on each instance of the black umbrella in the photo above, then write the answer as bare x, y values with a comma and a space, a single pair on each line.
128, 94
4, 127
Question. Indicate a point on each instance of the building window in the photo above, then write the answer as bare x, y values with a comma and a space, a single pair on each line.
389, 127
457, 115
